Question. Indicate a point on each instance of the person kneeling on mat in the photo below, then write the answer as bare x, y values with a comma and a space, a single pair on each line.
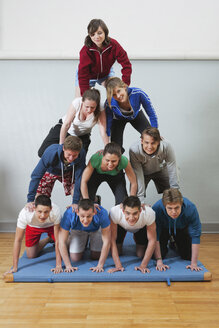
86, 222
45, 218
177, 220
140, 221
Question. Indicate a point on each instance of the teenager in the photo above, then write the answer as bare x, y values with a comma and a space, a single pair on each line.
59, 162
107, 166
97, 57
177, 219
123, 106
44, 219
86, 223
141, 222
83, 114
153, 159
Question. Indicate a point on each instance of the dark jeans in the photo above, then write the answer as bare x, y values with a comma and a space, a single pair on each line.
116, 183
140, 123
161, 180
53, 138
182, 240
140, 237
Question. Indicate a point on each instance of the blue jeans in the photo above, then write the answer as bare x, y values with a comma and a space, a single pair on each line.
93, 82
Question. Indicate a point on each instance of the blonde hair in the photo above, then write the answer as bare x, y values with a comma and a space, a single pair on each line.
111, 84
172, 195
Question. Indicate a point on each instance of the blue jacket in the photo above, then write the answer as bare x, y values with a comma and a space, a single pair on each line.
188, 217
51, 162
137, 97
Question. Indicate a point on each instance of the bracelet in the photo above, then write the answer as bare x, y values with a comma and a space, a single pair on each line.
159, 258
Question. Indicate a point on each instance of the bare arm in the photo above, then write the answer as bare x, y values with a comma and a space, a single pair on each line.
132, 179
102, 127
58, 267
63, 238
84, 180
151, 235
114, 249
19, 235
106, 237
67, 123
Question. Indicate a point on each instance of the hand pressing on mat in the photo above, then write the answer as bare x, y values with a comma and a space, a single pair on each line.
57, 269
161, 266
194, 267
12, 270
97, 269
70, 269
142, 269
116, 269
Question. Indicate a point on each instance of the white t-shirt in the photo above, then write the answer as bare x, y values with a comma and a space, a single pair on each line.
78, 127
26, 217
146, 218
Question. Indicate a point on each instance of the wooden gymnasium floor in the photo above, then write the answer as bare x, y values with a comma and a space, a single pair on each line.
45, 305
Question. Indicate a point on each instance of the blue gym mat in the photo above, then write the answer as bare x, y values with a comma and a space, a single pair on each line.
38, 269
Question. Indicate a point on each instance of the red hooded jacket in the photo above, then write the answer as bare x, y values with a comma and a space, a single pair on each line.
96, 65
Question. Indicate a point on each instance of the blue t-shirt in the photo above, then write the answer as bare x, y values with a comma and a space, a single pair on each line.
71, 220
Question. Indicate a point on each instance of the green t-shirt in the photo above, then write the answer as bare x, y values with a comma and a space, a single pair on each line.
96, 161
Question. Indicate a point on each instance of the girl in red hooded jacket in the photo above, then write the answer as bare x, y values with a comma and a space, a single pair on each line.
97, 58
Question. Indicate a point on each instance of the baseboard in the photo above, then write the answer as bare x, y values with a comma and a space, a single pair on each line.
10, 226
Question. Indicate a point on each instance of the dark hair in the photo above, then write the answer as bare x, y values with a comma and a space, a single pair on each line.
93, 94
72, 143
132, 201
43, 200
172, 195
92, 28
152, 132
112, 148
86, 204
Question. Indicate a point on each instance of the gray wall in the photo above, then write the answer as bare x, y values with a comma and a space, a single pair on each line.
36, 93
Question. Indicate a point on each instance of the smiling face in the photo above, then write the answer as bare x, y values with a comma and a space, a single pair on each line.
110, 162
70, 155
85, 216
131, 214
120, 94
88, 106
149, 145
174, 209
98, 37
42, 213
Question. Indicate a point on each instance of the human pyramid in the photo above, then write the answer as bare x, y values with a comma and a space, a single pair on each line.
173, 221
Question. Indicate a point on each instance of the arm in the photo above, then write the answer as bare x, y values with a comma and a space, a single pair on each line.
102, 127
83, 70
138, 169
109, 118
171, 167
194, 266
58, 267
84, 180
19, 235
104, 251
123, 60
132, 179
114, 249
149, 109
159, 266
67, 123
36, 176
63, 248
78, 171
151, 235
